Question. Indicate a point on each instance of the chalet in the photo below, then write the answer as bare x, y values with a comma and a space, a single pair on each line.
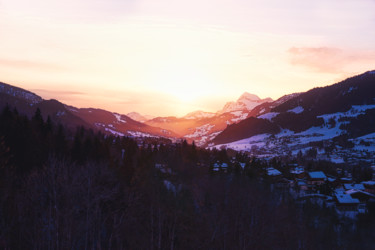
298, 172
345, 202
220, 166
302, 185
362, 196
273, 172
316, 178
216, 167
369, 186
346, 180
333, 181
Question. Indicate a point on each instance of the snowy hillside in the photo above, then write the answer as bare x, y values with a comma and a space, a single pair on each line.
305, 123
20, 93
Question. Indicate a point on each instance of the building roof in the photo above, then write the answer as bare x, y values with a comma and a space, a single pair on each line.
352, 191
354, 186
317, 175
301, 183
369, 183
297, 170
224, 165
346, 199
273, 172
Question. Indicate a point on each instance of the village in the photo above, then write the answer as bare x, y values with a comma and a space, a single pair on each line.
348, 197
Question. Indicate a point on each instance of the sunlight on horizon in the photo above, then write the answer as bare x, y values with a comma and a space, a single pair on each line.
171, 58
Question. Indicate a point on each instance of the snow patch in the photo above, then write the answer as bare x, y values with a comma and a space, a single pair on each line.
240, 116
119, 118
296, 110
269, 116
114, 132
200, 131
139, 134
60, 113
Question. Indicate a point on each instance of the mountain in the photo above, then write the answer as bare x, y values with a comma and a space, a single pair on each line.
340, 117
201, 127
27, 103
199, 115
138, 117
246, 101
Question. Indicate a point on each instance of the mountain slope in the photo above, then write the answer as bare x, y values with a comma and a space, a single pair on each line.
27, 103
201, 127
138, 117
336, 116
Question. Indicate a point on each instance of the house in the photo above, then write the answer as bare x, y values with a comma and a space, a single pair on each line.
298, 172
223, 167
273, 172
302, 185
216, 167
316, 178
369, 186
345, 202
362, 196
346, 180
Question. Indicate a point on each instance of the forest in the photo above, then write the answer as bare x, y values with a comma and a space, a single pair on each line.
83, 189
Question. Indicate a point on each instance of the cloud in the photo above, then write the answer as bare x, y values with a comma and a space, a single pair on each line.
26, 64
330, 59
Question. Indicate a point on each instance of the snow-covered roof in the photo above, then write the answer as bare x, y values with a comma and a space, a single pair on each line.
339, 191
346, 199
297, 170
346, 179
224, 165
370, 183
354, 191
354, 186
317, 175
273, 172
301, 183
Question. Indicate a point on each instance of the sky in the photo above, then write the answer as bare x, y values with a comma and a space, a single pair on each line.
171, 57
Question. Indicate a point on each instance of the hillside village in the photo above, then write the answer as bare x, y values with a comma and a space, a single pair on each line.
338, 190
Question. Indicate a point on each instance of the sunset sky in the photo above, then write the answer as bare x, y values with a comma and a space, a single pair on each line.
171, 57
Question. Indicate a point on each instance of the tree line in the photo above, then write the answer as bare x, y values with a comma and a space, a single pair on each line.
83, 189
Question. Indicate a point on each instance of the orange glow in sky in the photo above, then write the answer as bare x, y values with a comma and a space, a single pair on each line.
172, 57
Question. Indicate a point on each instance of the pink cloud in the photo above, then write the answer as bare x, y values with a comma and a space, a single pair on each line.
331, 60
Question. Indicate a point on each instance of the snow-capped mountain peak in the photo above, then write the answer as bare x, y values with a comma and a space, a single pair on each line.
246, 102
248, 97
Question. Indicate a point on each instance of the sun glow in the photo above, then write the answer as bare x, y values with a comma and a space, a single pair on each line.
183, 82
